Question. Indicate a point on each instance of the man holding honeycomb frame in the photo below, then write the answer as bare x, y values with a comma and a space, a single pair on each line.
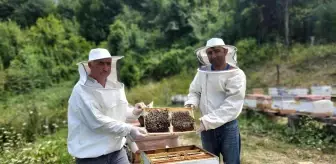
218, 90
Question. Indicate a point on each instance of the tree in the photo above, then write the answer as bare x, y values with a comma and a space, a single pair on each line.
10, 43
286, 23
117, 40
67, 8
29, 11
8, 7
95, 17
48, 56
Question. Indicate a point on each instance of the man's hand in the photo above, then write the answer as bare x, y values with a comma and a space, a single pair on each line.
137, 133
201, 128
138, 108
190, 106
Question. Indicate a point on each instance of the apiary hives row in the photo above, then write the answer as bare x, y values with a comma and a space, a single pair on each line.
169, 120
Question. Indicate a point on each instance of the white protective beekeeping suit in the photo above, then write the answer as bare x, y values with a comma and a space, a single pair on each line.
218, 94
96, 115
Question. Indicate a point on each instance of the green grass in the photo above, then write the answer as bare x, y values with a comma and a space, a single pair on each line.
15, 110
161, 92
303, 66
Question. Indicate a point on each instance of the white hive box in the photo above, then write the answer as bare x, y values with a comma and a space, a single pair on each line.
323, 107
179, 155
333, 90
273, 91
250, 101
321, 90
264, 102
298, 91
314, 104
277, 91
285, 104
258, 101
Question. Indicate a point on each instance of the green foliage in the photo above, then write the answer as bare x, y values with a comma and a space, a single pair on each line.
212, 20
95, 17
49, 150
25, 12
39, 67
161, 92
170, 63
10, 43
39, 113
251, 55
67, 8
117, 39
130, 72
309, 132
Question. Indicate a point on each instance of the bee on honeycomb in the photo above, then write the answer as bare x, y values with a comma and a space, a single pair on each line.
157, 121
182, 121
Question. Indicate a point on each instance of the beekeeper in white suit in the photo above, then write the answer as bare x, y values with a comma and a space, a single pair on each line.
218, 89
97, 112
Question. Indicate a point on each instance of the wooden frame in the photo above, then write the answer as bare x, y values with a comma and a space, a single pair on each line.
182, 154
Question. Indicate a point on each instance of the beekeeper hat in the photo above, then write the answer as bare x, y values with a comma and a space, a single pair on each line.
231, 56
99, 53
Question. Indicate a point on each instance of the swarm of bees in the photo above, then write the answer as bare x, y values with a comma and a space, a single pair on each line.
182, 121
157, 121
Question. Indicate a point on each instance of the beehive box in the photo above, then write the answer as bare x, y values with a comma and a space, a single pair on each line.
305, 103
298, 91
179, 155
284, 104
264, 102
258, 101
163, 123
250, 101
333, 90
321, 90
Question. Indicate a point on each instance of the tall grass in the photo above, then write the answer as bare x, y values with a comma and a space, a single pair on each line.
302, 66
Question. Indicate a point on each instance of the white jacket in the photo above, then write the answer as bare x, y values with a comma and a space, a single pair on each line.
218, 94
96, 118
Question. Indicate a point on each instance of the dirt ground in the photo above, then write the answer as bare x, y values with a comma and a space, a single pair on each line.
265, 150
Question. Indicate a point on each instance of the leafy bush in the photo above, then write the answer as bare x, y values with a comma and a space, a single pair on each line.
309, 132
51, 149
10, 43
252, 55
39, 113
48, 56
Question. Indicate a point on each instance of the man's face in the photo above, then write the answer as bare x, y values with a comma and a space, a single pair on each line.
100, 68
217, 55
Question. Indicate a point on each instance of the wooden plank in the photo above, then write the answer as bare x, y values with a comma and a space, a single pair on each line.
323, 115
286, 112
173, 153
180, 148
